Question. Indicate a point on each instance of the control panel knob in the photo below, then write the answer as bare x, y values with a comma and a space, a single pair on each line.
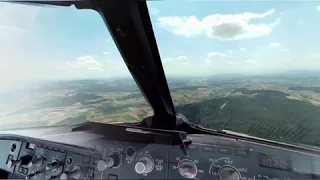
111, 161
12, 163
29, 176
228, 173
37, 162
144, 165
140, 167
24, 160
74, 174
53, 166
104, 164
187, 169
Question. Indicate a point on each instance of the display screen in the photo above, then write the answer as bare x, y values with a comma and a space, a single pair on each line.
275, 162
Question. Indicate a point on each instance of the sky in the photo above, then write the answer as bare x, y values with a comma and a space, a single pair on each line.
195, 38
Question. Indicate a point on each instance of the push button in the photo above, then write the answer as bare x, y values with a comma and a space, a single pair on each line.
10, 157
20, 169
112, 177
89, 173
25, 171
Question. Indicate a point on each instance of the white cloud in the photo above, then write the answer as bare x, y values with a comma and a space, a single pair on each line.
220, 26
183, 58
106, 53
207, 60
243, 49
179, 60
47, 65
215, 54
275, 45
87, 67
251, 61
85, 62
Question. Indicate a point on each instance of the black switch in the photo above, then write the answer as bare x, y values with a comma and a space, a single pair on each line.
20, 169
89, 173
112, 176
10, 157
25, 159
25, 171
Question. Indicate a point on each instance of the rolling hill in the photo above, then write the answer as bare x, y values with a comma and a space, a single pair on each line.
263, 113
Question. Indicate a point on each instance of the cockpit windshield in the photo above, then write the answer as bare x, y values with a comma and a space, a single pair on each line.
246, 66
59, 65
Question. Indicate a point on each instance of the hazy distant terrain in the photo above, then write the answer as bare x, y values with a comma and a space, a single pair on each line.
67, 102
284, 107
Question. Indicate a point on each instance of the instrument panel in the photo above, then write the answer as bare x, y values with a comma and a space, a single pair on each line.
108, 160
207, 157
222, 158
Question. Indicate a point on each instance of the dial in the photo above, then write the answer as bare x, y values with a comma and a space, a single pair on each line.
116, 159
112, 161
228, 173
187, 169
37, 162
223, 169
144, 164
74, 174
53, 166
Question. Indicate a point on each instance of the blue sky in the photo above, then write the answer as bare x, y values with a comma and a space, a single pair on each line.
194, 38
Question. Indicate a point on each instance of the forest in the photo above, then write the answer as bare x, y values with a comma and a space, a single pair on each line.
267, 114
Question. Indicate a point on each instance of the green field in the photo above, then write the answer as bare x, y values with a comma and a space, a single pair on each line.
283, 107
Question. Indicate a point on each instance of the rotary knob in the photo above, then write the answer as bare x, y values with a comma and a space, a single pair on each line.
53, 166
37, 162
112, 161
144, 165
229, 173
74, 174
187, 169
